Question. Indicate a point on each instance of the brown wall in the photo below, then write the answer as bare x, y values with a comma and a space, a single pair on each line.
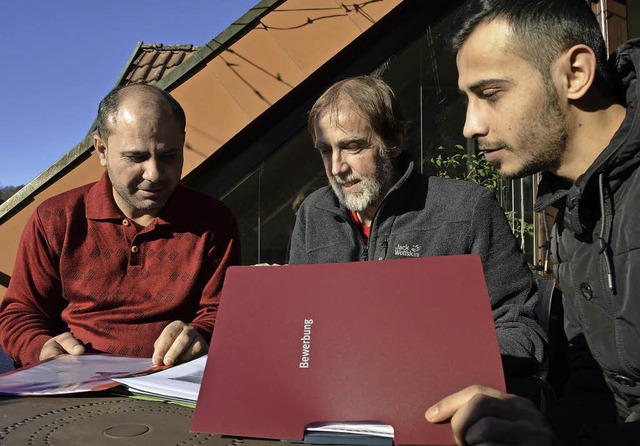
10, 231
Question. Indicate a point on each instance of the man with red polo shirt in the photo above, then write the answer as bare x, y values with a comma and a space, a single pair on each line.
130, 265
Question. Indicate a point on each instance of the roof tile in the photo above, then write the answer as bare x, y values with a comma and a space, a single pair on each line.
153, 61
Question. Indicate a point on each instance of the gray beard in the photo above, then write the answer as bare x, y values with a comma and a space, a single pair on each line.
371, 189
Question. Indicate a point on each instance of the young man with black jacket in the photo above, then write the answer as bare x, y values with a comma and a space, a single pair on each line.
541, 98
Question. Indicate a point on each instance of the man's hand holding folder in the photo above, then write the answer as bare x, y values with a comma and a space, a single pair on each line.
483, 415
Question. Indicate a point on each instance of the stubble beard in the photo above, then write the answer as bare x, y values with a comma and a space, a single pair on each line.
543, 143
127, 195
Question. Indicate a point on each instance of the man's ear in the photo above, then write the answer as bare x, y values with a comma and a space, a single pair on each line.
397, 148
577, 68
101, 148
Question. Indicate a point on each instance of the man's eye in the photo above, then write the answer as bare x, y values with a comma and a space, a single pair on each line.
357, 147
169, 155
324, 151
490, 95
136, 158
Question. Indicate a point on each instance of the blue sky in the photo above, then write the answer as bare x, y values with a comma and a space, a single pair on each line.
59, 58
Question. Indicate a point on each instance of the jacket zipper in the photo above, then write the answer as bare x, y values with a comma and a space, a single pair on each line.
364, 256
365, 251
385, 245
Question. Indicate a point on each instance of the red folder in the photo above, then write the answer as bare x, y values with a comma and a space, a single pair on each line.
363, 341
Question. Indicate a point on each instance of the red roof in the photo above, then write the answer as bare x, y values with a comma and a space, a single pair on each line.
154, 61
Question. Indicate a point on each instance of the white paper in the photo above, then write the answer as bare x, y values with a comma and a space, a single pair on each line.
179, 383
71, 374
374, 429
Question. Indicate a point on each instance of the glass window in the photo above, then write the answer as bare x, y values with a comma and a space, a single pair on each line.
424, 78
265, 202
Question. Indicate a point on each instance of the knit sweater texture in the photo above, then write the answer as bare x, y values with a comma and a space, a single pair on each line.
83, 267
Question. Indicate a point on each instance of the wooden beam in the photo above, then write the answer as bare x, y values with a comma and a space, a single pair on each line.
612, 16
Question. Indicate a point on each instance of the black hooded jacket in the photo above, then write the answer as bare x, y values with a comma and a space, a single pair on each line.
596, 252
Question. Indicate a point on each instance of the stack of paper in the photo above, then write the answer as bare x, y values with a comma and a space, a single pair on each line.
179, 384
370, 434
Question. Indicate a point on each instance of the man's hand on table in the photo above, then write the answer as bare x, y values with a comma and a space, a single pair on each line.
482, 415
62, 344
178, 342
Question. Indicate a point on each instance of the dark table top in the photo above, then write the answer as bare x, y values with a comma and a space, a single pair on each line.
102, 419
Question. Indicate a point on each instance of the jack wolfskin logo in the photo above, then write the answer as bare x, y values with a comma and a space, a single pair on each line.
408, 251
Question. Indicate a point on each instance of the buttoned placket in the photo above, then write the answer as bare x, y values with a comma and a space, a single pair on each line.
131, 234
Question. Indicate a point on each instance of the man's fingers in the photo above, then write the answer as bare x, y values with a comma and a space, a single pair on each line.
178, 343
181, 343
50, 349
165, 341
61, 344
444, 409
481, 415
198, 348
70, 344
188, 345
486, 418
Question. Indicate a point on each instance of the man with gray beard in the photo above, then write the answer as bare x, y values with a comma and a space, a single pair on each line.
377, 207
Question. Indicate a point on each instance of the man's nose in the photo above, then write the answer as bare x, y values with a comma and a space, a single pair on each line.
338, 164
474, 123
151, 170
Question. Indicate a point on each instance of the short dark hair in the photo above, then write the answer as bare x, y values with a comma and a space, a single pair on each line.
108, 108
373, 97
541, 29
